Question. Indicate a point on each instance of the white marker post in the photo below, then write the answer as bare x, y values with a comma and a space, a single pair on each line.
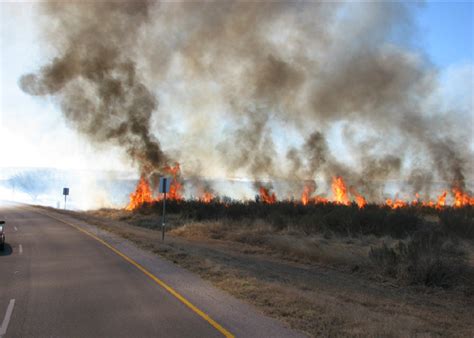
65, 193
165, 183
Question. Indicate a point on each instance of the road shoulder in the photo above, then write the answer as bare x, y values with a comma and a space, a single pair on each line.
238, 317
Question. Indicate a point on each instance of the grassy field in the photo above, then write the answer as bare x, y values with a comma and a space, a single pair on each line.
322, 269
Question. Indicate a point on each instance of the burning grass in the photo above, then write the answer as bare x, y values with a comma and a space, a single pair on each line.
341, 194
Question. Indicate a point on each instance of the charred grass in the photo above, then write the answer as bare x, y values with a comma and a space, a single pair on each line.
326, 270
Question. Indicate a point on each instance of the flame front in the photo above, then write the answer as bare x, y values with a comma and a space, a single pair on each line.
176, 188
396, 204
206, 197
462, 198
142, 194
339, 191
359, 199
306, 195
266, 196
441, 200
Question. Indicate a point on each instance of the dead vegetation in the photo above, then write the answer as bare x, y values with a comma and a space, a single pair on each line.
323, 281
426, 258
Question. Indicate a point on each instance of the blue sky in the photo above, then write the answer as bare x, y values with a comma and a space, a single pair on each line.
446, 32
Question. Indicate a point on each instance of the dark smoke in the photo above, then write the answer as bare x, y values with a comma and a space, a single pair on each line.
95, 80
257, 89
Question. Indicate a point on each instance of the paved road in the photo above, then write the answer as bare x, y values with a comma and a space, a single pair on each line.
57, 282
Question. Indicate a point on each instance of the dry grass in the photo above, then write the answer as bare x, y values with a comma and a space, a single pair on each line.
293, 246
320, 284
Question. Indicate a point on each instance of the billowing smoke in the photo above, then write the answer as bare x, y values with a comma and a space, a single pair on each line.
260, 90
94, 77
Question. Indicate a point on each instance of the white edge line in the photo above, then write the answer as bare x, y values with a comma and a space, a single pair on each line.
21, 249
6, 320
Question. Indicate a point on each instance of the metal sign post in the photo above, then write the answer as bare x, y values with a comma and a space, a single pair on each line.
163, 220
165, 183
65, 193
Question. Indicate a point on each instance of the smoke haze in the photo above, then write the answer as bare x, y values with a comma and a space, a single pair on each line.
257, 90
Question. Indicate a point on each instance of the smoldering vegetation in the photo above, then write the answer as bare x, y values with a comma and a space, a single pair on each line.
260, 90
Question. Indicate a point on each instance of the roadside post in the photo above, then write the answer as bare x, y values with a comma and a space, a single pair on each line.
65, 193
165, 183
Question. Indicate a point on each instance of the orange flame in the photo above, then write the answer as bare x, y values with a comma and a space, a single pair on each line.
319, 199
396, 204
441, 200
176, 188
462, 198
305, 196
142, 194
339, 191
308, 190
206, 197
429, 204
360, 200
266, 197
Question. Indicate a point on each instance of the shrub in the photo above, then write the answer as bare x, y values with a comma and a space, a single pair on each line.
386, 259
458, 221
400, 223
427, 258
321, 218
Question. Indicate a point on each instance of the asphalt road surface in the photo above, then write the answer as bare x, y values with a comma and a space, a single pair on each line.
58, 282
63, 277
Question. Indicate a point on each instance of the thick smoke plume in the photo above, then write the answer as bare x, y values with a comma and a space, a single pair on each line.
260, 90
94, 77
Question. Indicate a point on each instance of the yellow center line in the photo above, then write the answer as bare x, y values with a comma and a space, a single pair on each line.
158, 281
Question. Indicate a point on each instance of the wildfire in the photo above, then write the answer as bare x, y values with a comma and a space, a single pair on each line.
206, 197
441, 200
359, 199
429, 204
308, 190
266, 197
176, 188
395, 204
416, 201
305, 196
339, 191
319, 199
142, 194
462, 198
